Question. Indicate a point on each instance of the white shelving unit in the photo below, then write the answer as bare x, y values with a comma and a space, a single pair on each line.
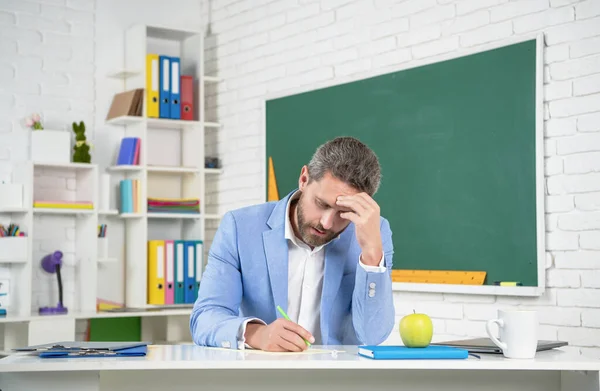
171, 166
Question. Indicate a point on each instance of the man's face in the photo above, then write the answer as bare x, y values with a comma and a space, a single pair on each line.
318, 214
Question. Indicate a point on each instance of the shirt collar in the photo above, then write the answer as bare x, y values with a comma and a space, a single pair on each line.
289, 231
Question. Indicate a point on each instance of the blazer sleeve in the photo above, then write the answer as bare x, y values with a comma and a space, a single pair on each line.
215, 319
373, 313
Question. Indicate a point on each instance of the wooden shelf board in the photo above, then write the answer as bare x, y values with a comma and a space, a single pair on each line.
13, 210
124, 167
213, 171
69, 166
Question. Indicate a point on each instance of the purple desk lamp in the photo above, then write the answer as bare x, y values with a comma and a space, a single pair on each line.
52, 263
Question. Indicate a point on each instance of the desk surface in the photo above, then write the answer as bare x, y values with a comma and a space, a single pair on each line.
169, 357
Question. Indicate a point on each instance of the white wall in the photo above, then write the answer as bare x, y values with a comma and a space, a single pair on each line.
265, 48
54, 55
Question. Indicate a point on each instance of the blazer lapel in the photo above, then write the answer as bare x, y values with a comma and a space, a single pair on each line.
276, 253
335, 258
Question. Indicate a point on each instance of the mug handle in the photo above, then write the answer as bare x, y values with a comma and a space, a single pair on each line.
496, 341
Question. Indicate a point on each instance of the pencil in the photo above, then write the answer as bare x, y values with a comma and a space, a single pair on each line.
282, 312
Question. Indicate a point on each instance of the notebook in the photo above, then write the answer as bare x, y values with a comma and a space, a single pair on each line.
485, 345
87, 349
404, 353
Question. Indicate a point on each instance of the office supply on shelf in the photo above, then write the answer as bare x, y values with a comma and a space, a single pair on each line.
11, 230
164, 94
285, 316
86, 349
128, 103
152, 85
445, 208
439, 276
189, 271
175, 96
52, 263
187, 97
129, 151
212, 162
173, 205
199, 262
485, 345
169, 272
156, 272
102, 230
179, 279
386, 352
63, 204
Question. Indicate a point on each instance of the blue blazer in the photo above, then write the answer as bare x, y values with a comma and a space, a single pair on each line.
246, 276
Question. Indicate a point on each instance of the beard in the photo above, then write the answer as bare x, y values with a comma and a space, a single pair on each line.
305, 229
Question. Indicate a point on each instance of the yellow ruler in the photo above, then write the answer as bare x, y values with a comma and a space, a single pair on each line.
439, 276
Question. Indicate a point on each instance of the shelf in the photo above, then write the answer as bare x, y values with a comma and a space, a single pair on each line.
212, 79
160, 122
110, 212
131, 215
173, 169
19, 260
213, 171
13, 210
172, 123
65, 211
170, 34
71, 166
94, 315
123, 73
162, 215
125, 120
124, 167
212, 125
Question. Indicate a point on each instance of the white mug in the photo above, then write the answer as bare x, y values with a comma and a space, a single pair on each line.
517, 333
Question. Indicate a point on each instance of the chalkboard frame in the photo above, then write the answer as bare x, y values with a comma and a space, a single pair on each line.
525, 291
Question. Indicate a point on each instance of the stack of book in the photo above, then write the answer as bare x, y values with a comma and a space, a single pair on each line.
130, 196
173, 205
57, 204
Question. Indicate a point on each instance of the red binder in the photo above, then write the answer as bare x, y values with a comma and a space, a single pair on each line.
187, 97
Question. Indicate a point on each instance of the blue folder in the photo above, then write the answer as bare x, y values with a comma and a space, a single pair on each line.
189, 272
175, 102
87, 349
430, 352
164, 90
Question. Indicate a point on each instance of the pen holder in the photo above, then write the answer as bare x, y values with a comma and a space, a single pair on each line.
52, 264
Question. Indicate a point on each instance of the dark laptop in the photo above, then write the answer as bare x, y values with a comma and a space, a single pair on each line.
485, 345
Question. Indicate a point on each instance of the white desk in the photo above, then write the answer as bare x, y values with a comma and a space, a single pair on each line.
187, 367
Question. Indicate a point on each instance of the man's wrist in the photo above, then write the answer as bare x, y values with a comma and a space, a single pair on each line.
371, 257
252, 329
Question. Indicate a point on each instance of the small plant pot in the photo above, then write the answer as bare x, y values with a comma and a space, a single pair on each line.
50, 146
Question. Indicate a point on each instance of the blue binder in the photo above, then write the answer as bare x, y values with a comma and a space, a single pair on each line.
430, 352
179, 272
164, 88
87, 349
188, 270
175, 102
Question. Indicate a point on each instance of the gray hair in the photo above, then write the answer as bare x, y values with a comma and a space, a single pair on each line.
349, 160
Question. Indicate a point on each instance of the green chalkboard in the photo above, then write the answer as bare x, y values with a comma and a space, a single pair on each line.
457, 143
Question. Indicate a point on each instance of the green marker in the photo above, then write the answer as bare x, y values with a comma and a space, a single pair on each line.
282, 312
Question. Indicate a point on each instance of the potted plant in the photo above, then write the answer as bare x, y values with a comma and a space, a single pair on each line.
48, 146
81, 149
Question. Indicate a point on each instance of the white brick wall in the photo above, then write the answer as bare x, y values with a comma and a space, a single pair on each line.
46, 66
321, 41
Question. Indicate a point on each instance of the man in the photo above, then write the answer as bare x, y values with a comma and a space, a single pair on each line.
322, 253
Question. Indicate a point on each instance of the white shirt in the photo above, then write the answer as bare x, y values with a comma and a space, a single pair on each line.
306, 269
